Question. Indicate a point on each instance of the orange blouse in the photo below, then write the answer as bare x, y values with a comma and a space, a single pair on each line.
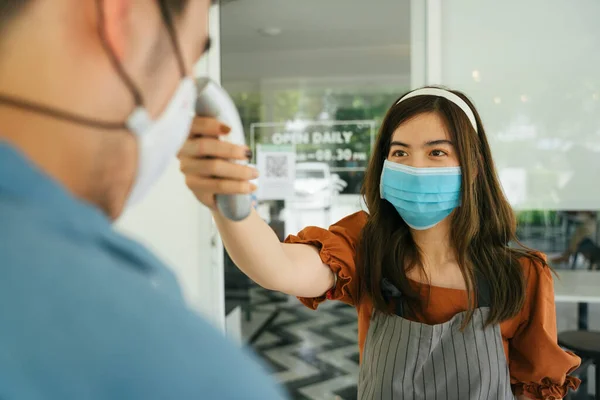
539, 368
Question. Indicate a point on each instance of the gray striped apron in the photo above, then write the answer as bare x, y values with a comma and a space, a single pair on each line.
404, 359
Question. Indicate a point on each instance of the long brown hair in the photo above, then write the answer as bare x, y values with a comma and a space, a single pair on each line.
481, 228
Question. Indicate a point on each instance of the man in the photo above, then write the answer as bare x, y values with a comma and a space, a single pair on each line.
584, 233
95, 99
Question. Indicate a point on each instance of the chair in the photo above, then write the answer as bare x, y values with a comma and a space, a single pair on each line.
586, 344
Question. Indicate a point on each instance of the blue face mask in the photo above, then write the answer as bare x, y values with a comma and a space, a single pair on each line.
422, 196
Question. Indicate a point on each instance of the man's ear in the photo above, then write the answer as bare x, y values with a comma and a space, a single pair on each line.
114, 17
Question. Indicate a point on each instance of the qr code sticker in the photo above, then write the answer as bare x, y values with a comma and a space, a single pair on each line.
277, 166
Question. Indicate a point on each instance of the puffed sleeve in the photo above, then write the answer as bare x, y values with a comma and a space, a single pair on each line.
337, 248
539, 368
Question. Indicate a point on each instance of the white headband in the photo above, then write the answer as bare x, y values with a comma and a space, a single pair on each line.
447, 95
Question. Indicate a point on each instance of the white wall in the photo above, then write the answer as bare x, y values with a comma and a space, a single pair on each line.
532, 68
173, 224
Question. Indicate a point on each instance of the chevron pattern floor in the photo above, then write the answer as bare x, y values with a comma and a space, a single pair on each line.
313, 353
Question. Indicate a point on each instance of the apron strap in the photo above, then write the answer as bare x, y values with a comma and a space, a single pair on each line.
484, 293
391, 293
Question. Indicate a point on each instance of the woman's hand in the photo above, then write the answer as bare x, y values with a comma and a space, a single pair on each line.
207, 163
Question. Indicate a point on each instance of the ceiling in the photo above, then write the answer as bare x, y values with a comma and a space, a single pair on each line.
318, 39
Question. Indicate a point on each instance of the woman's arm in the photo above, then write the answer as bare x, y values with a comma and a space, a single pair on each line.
207, 165
539, 367
294, 269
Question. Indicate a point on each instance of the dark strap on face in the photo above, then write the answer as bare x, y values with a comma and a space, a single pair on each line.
169, 23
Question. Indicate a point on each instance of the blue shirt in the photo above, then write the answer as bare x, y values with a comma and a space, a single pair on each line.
86, 313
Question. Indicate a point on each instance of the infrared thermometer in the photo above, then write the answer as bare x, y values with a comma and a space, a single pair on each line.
213, 101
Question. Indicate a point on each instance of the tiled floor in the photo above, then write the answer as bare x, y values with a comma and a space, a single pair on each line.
315, 353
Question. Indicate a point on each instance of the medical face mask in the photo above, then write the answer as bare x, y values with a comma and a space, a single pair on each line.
422, 196
425, 196
159, 140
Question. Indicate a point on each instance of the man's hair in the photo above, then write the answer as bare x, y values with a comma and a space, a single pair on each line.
9, 9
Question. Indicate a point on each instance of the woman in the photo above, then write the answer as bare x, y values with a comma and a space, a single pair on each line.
446, 308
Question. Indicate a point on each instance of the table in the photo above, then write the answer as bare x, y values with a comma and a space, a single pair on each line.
573, 286
581, 287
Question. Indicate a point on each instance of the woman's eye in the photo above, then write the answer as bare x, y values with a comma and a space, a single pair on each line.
399, 153
438, 153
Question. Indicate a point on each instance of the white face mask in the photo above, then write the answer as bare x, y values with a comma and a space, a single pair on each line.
159, 140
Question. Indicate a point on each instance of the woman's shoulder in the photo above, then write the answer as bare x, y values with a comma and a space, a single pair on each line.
539, 281
539, 289
534, 264
351, 226
353, 222
346, 230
